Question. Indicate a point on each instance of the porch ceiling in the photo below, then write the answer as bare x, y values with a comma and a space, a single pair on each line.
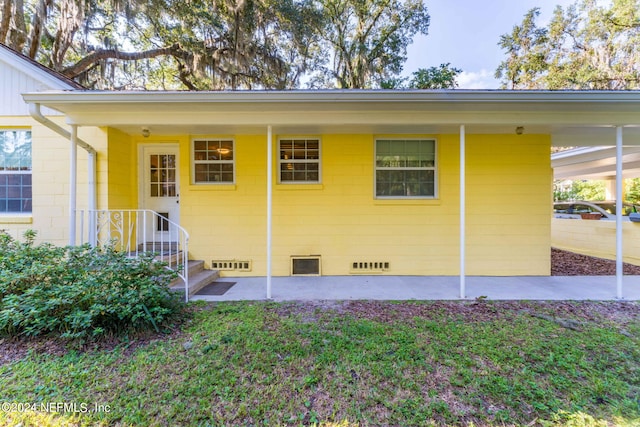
571, 118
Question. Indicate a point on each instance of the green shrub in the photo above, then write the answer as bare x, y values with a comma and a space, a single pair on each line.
80, 291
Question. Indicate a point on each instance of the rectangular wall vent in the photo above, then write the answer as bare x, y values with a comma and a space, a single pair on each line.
230, 265
362, 267
305, 265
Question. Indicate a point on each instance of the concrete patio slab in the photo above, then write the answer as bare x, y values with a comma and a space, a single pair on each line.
596, 288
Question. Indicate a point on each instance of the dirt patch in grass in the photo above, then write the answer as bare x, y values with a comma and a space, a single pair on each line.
16, 348
564, 263
610, 312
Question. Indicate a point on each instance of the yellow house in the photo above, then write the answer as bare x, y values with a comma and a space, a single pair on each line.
327, 182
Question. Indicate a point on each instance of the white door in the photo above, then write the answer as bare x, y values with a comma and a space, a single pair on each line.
161, 190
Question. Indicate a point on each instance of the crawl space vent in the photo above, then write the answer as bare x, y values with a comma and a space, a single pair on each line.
365, 267
305, 265
230, 265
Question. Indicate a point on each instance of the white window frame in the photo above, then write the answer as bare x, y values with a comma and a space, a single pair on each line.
20, 172
282, 161
377, 168
195, 162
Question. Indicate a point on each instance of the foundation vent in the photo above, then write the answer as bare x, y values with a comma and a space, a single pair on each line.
363, 267
230, 265
305, 265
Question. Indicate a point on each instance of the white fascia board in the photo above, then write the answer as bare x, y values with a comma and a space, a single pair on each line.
321, 96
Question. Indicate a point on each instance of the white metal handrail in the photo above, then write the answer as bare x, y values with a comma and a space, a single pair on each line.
138, 231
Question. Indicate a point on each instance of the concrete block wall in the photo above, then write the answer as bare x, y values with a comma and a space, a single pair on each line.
596, 238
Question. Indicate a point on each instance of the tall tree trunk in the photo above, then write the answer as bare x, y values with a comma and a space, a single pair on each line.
5, 22
38, 20
18, 34
71, 16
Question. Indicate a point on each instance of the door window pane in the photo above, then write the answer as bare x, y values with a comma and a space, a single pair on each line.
162, 175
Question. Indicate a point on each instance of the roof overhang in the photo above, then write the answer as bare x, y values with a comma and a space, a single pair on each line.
572, 118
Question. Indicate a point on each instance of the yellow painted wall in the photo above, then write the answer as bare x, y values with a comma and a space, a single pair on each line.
596, 238
122, 173
227, 221
508, 201
509, 181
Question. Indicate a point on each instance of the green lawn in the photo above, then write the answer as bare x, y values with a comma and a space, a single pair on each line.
353, 363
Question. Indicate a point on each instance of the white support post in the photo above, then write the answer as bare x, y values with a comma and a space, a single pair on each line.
619, 197
269, 206
92, 158
73, 172
462, 213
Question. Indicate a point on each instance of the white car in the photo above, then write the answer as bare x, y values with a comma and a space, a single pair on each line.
581, 209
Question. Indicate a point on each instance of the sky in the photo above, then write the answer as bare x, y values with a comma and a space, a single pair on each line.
466, 33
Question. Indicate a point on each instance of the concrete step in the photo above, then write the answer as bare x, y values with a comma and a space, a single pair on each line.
202, 279
195, 267
197, 280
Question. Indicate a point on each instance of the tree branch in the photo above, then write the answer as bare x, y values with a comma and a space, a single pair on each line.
374, 20
184, 76
620, 24
102, 54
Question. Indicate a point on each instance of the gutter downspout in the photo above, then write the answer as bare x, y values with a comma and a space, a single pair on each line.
36, 114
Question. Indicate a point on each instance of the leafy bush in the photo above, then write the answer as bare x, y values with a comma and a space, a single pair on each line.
80, 291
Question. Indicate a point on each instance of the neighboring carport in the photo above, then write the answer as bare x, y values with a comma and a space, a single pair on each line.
609, 155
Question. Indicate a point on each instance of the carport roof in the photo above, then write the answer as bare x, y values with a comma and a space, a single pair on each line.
595, 163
